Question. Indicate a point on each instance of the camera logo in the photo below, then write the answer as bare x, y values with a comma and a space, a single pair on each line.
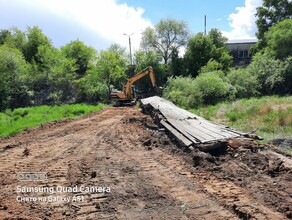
31, 176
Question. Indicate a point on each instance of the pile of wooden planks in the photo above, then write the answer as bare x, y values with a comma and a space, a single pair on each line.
186, 126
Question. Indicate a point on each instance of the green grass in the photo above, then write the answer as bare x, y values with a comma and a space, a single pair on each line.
13, 122
269, 117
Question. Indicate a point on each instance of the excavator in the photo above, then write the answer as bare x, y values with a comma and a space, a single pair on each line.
128, 95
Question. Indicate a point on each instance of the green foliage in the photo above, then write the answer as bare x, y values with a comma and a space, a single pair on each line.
12, 122
14, 38
33, 72
51, 81
55, 76
144, 59
207, 88
217, 38
213, 87
91, 88
177, 63
60, 72
269, 14
13, 91
83, 55
111, 67
274, 76
51, 76
198, 53
35, 38
183, 92
204, 48
221, 55
245, 83
167, 35
211, 66
5, 35
150, 58
279, 39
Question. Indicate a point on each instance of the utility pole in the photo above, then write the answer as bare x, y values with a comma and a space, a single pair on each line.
205, 23
130, 47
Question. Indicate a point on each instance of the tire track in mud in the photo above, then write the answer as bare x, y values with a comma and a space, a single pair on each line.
226, 193
187, 201
58, 152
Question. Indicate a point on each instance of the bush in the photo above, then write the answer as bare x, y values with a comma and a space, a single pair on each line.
274, 76
245, 83
207, 88
181, 91
91, 89
213, 87
211, 66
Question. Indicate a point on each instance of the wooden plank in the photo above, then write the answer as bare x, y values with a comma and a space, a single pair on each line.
215, 132
181, 137
199, 126
195, 128
197, 133
181, 129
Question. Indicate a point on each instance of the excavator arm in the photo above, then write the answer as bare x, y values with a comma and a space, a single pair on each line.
127, 95
132, 80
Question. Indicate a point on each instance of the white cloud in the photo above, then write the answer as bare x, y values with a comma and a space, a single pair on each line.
243, 21
106, 18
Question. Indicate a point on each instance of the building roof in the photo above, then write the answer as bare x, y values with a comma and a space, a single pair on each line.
241, 41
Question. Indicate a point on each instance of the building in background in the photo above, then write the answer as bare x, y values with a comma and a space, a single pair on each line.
240, 51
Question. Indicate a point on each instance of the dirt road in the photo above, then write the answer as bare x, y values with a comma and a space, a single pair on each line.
118, 165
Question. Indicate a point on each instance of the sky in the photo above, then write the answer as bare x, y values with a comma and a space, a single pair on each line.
100, 23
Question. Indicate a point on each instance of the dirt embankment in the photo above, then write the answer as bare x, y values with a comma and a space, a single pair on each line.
142, 173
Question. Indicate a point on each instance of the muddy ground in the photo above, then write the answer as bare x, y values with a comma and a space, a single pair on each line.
143, 172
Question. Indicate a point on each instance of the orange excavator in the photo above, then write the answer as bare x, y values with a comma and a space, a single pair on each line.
128, 95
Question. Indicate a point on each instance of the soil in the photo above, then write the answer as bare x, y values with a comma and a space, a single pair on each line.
142, 171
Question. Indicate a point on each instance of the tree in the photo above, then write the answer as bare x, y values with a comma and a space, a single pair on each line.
202, 48
167, 35
5, 35
91, 88
83, 55
176, 65
58, 73
220, 53
269, 14
35, 38
14, 38
13, 91
217, 38
111, 66
279, 39
145, 59
198, 53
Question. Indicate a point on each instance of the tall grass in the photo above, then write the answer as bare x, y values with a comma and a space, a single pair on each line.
270, 117
12, 122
